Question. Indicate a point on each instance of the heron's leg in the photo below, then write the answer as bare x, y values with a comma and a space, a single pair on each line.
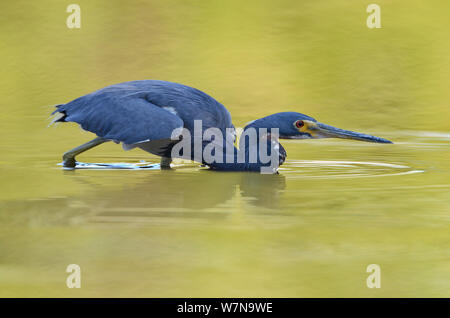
165, 162
69, 156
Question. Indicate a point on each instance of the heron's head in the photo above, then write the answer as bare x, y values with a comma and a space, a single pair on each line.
294, 125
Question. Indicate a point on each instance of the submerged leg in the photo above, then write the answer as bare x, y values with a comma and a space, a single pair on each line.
69, 156
165, 162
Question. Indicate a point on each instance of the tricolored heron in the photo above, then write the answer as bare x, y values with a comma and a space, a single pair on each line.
145, 113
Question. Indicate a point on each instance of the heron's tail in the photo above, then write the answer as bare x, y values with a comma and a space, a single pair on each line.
58, 115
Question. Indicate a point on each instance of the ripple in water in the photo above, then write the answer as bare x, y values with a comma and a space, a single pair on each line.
142, 165
318, 169
294, 168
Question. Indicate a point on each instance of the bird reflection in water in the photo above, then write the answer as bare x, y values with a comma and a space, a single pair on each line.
163, 195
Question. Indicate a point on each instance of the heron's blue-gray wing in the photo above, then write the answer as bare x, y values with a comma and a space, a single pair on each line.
128, 119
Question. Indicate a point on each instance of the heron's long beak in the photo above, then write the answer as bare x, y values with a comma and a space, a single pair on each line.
319, 130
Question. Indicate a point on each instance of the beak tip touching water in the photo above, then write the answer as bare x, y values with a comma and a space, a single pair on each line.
381, 140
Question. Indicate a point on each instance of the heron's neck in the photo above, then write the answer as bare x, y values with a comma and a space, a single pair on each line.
259, 151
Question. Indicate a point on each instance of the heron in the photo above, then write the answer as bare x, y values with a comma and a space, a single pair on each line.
145, 113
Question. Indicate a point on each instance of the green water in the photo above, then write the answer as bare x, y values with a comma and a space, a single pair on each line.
336, 206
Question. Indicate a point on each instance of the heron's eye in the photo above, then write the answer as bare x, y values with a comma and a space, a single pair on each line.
299, 123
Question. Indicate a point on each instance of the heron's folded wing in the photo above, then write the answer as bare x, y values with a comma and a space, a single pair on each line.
126, 119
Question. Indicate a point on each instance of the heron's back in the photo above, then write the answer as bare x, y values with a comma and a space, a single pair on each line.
183, 101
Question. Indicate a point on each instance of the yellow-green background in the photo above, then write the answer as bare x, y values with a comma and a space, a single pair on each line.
310, 231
